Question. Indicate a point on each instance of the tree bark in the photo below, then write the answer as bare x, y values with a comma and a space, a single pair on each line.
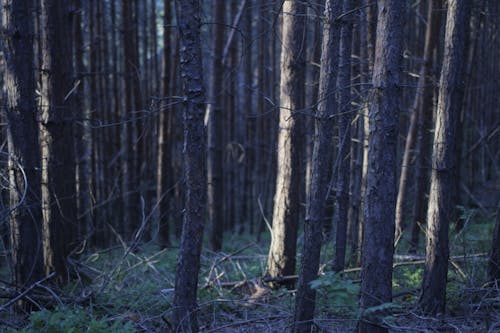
380, 199
188, 262
320, 172
444, 161
344, 130
58, 157
215, 196
281, 259
22, 134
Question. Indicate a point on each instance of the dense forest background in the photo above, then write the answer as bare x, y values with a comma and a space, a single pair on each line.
250, 165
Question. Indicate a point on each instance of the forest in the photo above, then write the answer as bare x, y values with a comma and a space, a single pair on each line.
249, 166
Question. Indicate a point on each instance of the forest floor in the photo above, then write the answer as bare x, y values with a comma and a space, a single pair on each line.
119, 290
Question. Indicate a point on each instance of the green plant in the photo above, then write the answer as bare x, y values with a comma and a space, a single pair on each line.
65, 319
339, 292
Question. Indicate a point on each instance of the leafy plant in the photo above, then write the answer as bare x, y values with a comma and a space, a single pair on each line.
64, 319
340, 292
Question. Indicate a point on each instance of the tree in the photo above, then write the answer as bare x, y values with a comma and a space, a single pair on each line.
444, 161
188, 262
322, 154
380, 197
164, 175
421, 104
214, 132
344, 130
281, 259
22, 134
57, 148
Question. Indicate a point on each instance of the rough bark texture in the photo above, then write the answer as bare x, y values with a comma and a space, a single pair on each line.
322, 153
344, 118
281, 259
380, 200
22, 134
214, 133
444, 160
188, 262
58, 158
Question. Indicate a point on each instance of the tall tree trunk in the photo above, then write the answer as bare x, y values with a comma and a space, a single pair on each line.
58, 156
281, 259
22, 134
188, 262
423, 98
380, 199
215, 193
344, 140
444, 161
320, 172
425, 113
164, 173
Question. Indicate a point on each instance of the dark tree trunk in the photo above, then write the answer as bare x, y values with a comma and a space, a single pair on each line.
58, 157
22, 134
444, 161
164, 155
215, 195
188, 262
320, 172
380, 199
281, 259
344, 140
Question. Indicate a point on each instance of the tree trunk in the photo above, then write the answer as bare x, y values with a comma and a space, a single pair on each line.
281, 259
188, 262
320, 172
58, 157
380, 199
344, 118
164, 173
22, 134
215, 193
423, 99
425, 112
444, 160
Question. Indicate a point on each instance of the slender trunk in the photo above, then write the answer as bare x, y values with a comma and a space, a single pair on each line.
344, 118
320, 173
215, 195
188, 262
444, 161
494, 262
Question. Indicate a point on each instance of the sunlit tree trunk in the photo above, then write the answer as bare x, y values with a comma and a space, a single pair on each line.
281, 259
22, 135
444, 161
58, 157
